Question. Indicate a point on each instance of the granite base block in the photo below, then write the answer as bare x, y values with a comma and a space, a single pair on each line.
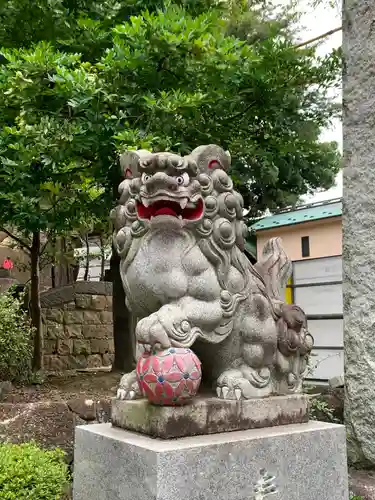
292, 462
208, 415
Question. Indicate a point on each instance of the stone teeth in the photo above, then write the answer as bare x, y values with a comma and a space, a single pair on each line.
225, 392
180, 217
183, 203
218, 392
145, 202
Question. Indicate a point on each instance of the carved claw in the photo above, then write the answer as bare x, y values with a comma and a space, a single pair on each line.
128, 388
228, 387
238, 394
150, 331
225, 391
123, 394
229, 393
243, 383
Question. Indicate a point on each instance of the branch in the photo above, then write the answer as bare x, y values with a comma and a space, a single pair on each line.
44, 246
317, 38
240, 113
15, 238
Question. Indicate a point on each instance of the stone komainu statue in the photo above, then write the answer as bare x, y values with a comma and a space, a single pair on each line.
180, 235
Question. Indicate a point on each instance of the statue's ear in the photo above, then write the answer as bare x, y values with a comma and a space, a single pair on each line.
129, 162
211, 157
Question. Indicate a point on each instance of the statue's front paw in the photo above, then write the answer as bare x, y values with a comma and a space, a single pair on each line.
129, 388
244, 383
232, 385
150, 331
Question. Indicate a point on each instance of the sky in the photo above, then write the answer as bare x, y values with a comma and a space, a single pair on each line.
315, 22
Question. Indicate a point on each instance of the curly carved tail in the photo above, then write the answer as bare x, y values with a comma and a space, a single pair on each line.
275, 268
293, 335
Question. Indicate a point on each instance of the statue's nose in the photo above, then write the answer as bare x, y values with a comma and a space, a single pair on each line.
160, 180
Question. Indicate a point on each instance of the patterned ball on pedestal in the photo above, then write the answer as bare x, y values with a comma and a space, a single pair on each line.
170, 377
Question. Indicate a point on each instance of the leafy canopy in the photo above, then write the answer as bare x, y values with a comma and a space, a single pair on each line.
106, 76
46, 179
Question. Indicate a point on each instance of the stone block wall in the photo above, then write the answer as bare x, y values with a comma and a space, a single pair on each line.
78, 327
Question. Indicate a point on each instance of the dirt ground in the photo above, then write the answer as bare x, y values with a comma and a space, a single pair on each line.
92, 385
362, 484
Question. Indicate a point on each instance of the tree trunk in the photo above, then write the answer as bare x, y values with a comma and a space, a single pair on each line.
53, 276
122, 333
87, 264
53, 264
35, 310
69, 262
102, 258
64, 274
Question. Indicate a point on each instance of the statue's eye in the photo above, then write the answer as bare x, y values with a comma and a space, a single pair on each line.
145, 177
183, 180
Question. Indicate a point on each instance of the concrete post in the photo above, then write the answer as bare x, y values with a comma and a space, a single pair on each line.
359, 227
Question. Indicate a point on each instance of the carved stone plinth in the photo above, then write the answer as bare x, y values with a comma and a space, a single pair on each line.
293, 462
208, 415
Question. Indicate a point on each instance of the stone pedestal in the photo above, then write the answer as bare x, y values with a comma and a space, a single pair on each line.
290, 462
208, 415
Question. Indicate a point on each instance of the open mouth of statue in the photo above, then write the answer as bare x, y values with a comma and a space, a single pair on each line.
180, 209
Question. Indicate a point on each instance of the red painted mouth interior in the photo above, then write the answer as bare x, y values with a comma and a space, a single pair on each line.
167, 207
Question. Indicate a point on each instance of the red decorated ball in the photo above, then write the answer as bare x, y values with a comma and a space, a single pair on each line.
169, 377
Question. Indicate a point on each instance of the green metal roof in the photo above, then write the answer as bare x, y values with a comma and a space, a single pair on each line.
251, 247
306, 213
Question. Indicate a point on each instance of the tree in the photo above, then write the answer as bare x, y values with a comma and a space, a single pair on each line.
261, 98
158, 75
47, 187
179, 81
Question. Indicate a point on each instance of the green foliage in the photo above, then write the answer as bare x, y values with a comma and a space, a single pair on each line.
177, 81
157, 75
320, 410
41, 150
76, 25
333, 4
28, 472
15, 341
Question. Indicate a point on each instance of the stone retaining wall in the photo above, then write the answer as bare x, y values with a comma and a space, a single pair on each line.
78, 326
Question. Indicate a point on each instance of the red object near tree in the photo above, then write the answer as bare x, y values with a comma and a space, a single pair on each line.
7, 264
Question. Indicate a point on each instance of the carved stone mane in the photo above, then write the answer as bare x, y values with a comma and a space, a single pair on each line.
220, 234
